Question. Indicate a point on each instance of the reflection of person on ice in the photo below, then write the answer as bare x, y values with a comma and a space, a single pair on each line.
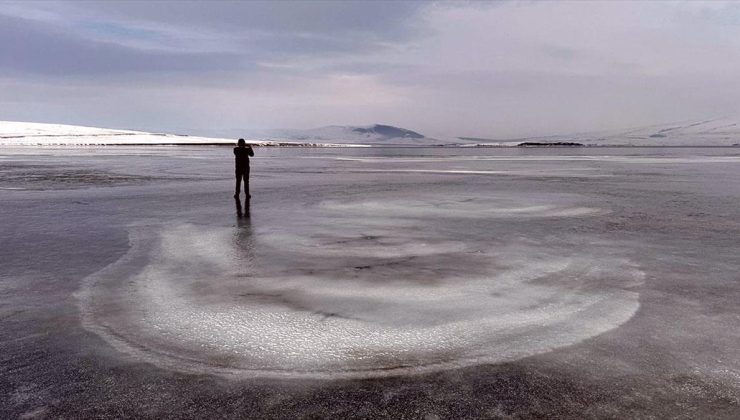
242, 153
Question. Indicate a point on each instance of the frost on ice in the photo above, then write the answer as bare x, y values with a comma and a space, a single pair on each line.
358, 287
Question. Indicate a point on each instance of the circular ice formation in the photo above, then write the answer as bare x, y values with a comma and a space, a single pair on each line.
360, 288
498, 207
182, 298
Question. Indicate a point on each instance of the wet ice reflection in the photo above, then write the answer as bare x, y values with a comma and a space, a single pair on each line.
356, 287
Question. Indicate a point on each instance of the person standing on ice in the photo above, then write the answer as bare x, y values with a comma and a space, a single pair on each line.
242, 152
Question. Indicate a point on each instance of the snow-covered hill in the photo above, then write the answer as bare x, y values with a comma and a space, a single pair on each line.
36, 134
715, 132
710, 132
376, 134
14, 133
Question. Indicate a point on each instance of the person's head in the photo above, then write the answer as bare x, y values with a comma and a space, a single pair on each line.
241, 143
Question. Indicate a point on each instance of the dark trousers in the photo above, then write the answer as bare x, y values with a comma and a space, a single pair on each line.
242, 174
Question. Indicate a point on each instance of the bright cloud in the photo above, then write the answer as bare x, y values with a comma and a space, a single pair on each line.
498, 70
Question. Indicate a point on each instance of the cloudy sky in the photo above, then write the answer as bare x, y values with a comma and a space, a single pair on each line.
497, 70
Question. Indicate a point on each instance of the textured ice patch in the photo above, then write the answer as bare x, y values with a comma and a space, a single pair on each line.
198, 299
468, 207
361, 287
560, 173
549, 158
361, 245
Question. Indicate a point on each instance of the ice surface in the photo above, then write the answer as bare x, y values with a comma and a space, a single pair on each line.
606, 280
187, 296
489, 207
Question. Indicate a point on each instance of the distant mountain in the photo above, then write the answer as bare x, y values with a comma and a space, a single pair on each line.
376, 134
13, 133
723, 131
710, 132
715, 132
388, 131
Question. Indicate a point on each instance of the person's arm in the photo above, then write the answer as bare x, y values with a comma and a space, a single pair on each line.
250, 151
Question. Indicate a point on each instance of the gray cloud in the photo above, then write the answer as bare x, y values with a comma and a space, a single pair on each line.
516, 69
271, 27
388, 18
32, 47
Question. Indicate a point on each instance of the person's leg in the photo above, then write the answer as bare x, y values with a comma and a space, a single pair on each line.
238, 184
246, 184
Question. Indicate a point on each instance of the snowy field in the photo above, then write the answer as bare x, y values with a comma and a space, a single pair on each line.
720, 132
22, 134
416, 283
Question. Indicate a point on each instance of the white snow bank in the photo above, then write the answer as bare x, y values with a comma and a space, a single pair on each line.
14, 133
711, 132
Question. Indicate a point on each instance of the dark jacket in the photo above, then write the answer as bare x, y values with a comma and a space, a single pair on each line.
242, 158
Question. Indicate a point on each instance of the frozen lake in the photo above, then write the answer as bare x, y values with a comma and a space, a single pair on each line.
425, 283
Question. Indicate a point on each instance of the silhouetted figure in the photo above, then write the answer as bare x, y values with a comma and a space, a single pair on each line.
242, 152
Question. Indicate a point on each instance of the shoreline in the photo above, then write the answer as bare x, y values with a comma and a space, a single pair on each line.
371, 146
